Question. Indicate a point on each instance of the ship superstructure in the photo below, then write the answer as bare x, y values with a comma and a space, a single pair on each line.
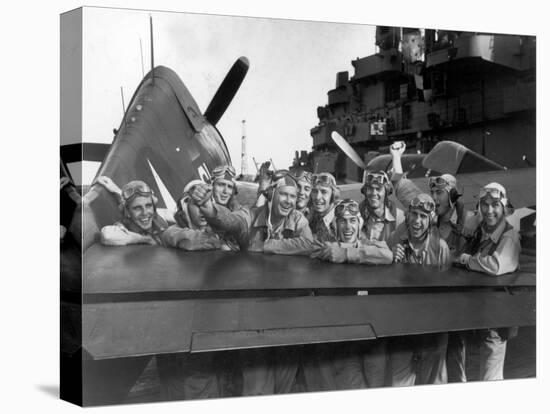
423, 86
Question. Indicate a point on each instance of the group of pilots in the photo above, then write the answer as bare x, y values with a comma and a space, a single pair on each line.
301, 213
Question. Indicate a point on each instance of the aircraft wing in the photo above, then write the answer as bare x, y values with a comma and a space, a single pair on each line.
142, 300
519, 183
453, 158
471, 169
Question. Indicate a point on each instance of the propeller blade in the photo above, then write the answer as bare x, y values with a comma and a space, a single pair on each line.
227, 90
347, 149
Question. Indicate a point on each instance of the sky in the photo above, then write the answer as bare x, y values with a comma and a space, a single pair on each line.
293, 64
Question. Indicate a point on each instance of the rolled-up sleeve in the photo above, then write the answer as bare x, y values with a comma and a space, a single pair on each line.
505, 259
373, 252
405, 191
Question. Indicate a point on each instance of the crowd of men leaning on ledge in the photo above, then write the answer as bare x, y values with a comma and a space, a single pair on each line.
302, 214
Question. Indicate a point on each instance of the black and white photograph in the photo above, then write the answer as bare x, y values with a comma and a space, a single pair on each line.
275, 207
255, 206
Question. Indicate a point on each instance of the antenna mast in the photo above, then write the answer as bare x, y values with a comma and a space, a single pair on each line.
244, 166
123, 104
123, 109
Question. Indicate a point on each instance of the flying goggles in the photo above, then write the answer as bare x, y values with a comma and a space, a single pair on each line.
380, 178
439, 182
496, 191
324, 179
135, 188
426, 205
348, 205
226, 172
492, 192
282, 178
304, 175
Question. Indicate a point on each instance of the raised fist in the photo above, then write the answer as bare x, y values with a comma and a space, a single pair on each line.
64, 181
264, 176
201, 193
397, 148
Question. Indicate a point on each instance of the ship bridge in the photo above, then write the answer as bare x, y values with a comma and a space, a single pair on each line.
506, 50
477, 89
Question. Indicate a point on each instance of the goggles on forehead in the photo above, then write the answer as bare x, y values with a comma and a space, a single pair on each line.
426, 205
349, 206
304, 175
492, 192
324, 179
284, 177
278, 174
136, 188
376, 178
224, 171
439, 182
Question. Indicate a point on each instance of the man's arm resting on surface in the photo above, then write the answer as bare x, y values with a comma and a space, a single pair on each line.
505, 259
117, 235
189, 239
370, 253
302, 244
295, 246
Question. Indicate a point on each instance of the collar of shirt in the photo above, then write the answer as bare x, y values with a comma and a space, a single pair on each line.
346, 245
387, 216
420, 254
262, 219
453, 219
305, 211
329, 217
496, 234
423, 247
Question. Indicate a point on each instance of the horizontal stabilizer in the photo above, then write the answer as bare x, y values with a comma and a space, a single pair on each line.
84, 151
